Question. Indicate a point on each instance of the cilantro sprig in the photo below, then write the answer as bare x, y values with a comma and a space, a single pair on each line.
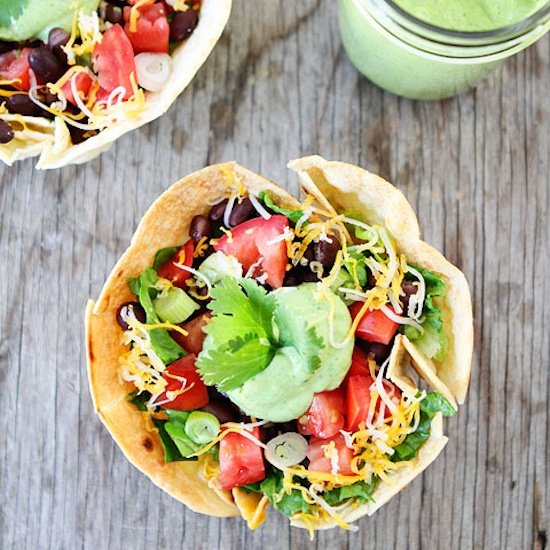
248, 326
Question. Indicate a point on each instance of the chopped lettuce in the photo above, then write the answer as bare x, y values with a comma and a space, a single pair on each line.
139, 400
163, 255
171, 452
272, 487
162, 343
429, 406
432, 341
292, 215
361, 490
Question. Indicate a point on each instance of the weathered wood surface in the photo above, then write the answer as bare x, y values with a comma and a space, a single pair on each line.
278, 86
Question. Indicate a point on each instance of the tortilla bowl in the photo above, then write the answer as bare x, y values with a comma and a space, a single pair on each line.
167, 222
50, 139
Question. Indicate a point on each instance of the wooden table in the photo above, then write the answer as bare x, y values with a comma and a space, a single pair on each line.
278, 86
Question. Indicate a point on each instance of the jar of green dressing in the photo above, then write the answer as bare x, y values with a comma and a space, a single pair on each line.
431, 49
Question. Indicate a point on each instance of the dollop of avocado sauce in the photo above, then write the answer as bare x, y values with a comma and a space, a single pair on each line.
284, 390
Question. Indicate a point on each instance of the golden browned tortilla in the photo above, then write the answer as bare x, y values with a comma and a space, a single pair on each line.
167, 223
51, 139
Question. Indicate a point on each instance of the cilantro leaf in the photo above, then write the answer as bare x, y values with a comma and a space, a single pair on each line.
242, 329
10, 11
432, 341
292, 215
292, 333
429, 406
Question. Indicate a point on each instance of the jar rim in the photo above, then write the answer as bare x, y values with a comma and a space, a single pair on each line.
494, 35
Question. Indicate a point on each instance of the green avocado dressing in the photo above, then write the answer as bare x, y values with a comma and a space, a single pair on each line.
283, 391
24, 19
471, 15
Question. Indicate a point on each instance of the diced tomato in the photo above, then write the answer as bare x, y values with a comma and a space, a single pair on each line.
241, 461
325, 416
152, 31
318, 462
195, 336
374, 325
183, 373
83, 82
15, 66
358, 400
113, 60
359, 363
178, 276
252, 241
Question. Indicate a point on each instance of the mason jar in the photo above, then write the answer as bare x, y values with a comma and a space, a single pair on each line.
414, 58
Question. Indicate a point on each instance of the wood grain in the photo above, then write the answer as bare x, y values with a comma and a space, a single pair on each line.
279, 86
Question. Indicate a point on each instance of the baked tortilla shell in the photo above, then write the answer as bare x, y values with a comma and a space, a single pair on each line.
55, 147
166, 223
349, 187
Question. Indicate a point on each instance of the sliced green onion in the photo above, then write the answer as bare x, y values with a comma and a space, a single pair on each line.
185, 445
202, 427
175, 306
286, 450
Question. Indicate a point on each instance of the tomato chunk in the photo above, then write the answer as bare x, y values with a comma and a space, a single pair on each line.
182, 374
152, 31
325, 416
241, 461
15, 66
319, 453
113, 61
195, 336
83, 83
374, 325
255, 241
359, 363
170, 271
358, 400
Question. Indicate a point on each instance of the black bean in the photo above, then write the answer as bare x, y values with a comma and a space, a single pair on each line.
21, 104
113, 14
325, 251
57, 38
46, 65
6, 132
271, 430
200, 227
241, 212
7, 46
217, 211
379, 352
371, 279
139, 313
224, 412
183, 24
409, 288
77, 135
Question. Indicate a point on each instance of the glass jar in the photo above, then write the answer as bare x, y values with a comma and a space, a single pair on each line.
414, 59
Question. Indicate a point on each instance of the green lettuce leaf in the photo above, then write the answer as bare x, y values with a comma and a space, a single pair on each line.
162, 343
163, 255
271, 486
429, 406
432, 341
11, 10
292, 215
361, 490
139, 400
171, 453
